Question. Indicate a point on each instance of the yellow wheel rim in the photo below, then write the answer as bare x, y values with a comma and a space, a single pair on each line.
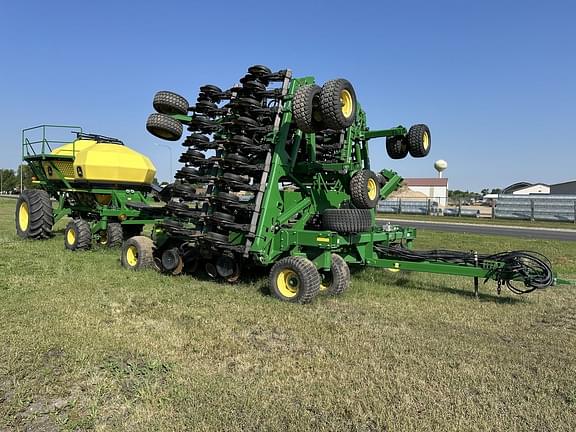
23, 216
103, 238
132, 256
372, 189
71, 236
425, 141
347, 104
288, 283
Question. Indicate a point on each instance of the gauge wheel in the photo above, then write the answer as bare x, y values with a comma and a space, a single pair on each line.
336, 280
166, 102
338, 104
419, 141
77, 235
137, 253
295, 280
163, 126
365, 189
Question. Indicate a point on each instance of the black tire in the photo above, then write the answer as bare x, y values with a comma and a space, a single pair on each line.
338, 104
34, 217
337, 280
259, 70
347, 221
235, 178
419, 141
216, 237
113, 236
396, 147
227, 197
165, 127
294, 279
137, 253
166, 102
131, 230
305, 108
222, 217
77, 235
365, 189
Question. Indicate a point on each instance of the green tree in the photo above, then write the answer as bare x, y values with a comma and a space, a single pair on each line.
8, 180
26, 177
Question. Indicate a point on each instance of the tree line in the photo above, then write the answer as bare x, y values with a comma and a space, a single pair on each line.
10, 179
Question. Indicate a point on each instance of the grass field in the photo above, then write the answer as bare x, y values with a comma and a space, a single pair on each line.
86, 345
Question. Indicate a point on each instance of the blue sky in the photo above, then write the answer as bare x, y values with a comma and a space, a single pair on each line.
494, 80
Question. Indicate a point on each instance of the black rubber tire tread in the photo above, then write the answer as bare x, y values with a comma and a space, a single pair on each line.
40, 214
303, 107
416, 142
165, 127
396, 147
145, 248
340, 273
347, 221
331, 106
307, 273
166, 102
259, 70
222, 217
359, 189
114, 234
83, 235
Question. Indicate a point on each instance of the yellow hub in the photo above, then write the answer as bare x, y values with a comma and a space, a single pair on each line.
132, 256
24, 216
288, 283
425, 140
103, 238
372, 189
347, 103
71, 236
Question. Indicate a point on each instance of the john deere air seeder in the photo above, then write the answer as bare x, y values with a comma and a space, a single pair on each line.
98, 181
276, 173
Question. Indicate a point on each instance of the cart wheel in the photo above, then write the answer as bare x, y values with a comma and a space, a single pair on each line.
166, 102
419, 141
137, 253
396, 147
114, 234
305, 108
337, 279
347, 221
338, 104
163, 126
365, 189
294, 279
34, 216
77, 235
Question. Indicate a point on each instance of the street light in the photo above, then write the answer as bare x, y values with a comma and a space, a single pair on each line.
170, 149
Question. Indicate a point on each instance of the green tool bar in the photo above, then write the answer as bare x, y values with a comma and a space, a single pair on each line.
429, 267
400, 130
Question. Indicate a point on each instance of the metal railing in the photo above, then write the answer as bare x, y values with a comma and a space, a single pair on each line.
35, 140
428, 206
536, 207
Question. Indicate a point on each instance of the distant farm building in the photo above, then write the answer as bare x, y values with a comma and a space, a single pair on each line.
434, 188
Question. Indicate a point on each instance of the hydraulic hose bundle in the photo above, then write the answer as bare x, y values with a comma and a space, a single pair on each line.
532, 268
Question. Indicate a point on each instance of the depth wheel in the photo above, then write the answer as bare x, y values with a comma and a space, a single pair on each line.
137, 253
165, 127
77, 235
365, 189
166, 102
419, 141
337, 279
338, 104
112, 236
294, 279
305, 108
34, 216
396, 147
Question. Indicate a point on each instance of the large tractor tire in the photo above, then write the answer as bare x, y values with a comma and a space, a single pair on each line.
347, 221
294, 279
112, 236
305, 108
396, 147
77, 235
365, 189
137, 253
337, 279
34, 216
166, 102
419, 141
338, 104
165, 127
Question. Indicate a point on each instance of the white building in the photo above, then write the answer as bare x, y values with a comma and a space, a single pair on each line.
434, 188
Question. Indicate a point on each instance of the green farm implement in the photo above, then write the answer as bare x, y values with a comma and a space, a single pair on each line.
276, 173
101, 184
